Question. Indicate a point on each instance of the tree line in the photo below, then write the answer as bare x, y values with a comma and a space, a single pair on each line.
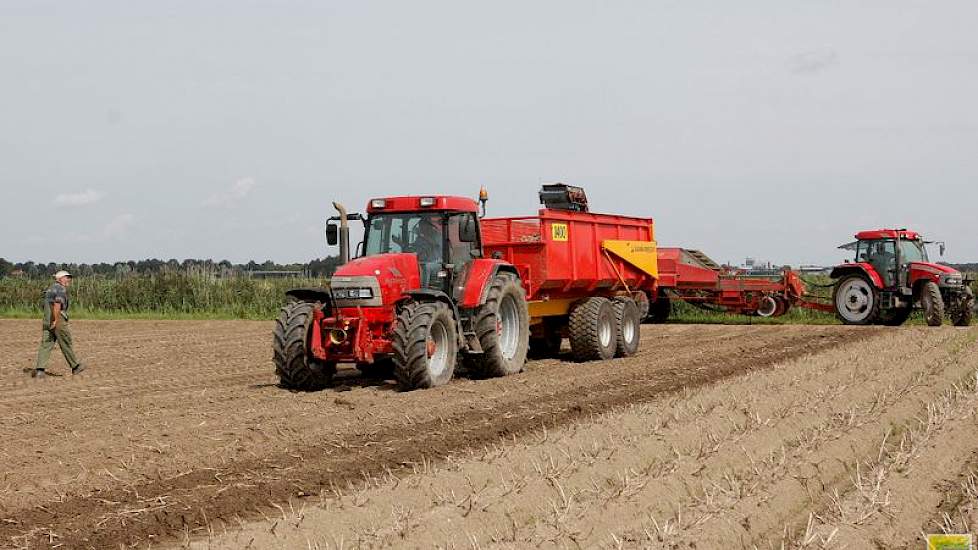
320, 267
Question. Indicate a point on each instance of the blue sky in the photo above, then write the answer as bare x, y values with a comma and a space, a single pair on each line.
225, 129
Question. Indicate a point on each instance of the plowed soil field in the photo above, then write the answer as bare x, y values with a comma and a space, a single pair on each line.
712, 437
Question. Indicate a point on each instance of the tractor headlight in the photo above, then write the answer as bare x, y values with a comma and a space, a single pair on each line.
952, 280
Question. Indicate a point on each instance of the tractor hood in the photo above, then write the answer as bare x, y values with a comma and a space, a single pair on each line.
936, 269
396, 273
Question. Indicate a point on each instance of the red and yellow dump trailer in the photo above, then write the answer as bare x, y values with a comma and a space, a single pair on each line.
583, 272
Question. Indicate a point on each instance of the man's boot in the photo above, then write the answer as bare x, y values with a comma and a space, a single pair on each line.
39, 373
78, 368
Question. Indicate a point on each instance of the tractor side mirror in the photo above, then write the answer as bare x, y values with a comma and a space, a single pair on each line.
466, 231
332, 234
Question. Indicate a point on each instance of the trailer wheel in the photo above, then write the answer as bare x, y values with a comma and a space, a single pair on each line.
502, 325
660, 309
296, 369
425, 345
593, 329
628, 327
767, 307
856, 300
930, 298
643, 303
966, 309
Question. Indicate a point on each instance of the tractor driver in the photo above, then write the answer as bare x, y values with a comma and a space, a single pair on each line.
427, 244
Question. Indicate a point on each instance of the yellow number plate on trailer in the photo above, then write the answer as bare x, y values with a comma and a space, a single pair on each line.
558, 231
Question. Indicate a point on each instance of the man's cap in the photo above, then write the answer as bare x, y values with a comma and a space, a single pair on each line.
61, 274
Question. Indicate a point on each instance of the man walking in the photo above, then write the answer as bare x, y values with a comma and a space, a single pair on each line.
55, 328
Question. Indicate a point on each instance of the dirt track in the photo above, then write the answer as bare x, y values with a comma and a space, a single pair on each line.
179, 433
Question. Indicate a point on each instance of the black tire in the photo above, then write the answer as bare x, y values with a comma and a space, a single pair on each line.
932, 303
417, 322
504, 346
660, 309
965, 311
895, 317
592, 329
295, 368
867, 313
628, 327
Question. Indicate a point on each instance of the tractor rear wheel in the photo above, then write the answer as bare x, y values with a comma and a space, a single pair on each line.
593, 329
425, 345
933, 304
628, 327
502, 325
962, 315
294, 365
857, 300
660, 309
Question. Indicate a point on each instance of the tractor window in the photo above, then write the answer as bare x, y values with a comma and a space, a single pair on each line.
912, 251
461, 252
417, 233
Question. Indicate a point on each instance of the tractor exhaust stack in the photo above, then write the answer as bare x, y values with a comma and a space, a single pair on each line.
344, 234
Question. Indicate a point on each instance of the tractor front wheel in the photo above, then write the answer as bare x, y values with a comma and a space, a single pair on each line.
425, 345
856, 300
502, 325
294, 365
965, 310
933, 304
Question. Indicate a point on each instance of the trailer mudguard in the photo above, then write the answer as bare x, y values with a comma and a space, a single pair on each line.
477, 278
861, 268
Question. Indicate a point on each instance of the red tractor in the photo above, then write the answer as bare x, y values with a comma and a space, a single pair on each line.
891, 275
420, 292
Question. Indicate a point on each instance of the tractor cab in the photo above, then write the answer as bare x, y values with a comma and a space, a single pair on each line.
890, 253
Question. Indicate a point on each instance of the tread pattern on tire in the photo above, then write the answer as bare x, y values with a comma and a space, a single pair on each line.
410, 342
490, 363
930, 298
626, 308
584, 325
294, 369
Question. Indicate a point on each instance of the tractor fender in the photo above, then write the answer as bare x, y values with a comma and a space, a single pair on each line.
432, 295
477, 278
860, 268
312, 294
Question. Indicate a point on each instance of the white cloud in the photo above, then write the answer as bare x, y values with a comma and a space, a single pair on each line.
237, 193
813, 61
86, 197
119, 226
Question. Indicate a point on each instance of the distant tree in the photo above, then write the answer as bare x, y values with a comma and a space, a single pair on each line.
5, 267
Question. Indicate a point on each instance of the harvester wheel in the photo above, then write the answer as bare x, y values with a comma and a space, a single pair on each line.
295, 367
425, 345
856, 300
660, 309
966, 309
767, 307
930, 299
502, 325
593, 329
628, 327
